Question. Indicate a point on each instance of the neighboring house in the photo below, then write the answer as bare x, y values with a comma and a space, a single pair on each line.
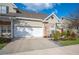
68, 23
18, 23
75, 24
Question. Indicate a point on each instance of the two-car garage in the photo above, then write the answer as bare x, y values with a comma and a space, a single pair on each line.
24, 28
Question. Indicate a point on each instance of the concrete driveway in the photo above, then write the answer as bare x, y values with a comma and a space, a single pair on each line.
28, 44
66, 50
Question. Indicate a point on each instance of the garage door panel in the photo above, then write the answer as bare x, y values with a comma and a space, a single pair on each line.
28, 32
22, 32
37, 32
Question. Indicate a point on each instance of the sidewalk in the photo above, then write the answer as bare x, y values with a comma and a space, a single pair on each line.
67, 50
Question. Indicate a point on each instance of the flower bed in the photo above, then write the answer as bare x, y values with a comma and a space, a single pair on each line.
66, 37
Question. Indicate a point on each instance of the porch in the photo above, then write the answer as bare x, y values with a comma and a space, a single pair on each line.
6, 28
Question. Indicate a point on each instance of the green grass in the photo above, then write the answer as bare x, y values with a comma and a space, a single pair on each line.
2, 45
69, 42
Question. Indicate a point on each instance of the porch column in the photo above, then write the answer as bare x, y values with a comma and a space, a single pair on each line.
11, 28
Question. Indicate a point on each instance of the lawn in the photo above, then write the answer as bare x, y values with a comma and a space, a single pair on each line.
4, 41
2, 45
69, 42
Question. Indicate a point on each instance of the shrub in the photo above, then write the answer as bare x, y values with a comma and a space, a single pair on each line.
4, 40
68, 33
65, 35
72, 36
56, 35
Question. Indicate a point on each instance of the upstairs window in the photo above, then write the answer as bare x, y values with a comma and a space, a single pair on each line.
3, 9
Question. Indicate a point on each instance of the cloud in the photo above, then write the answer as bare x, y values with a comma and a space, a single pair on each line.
38, 6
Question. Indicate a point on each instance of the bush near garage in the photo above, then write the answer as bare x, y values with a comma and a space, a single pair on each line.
65, 35
4, 40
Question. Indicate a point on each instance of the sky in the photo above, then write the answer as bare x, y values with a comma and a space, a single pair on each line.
60, 9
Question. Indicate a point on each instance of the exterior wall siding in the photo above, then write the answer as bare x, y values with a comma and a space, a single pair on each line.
28, 23
50, 26
10, 7
46, 30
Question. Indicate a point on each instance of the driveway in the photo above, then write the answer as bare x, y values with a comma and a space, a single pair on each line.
65, 50
28, 44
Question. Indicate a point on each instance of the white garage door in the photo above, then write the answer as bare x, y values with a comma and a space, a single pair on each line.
28, 32
37, 32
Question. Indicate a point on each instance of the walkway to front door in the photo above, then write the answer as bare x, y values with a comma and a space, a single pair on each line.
28, 44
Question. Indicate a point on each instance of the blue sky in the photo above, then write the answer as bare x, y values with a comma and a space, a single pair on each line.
60, 9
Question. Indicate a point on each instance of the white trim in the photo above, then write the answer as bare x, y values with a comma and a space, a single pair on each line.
20, 18
56, 17
28, 18
11, 28
51, 15
14, 6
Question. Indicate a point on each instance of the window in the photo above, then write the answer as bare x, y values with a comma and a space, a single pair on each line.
6, 29
3, 30
3, 9
9, 29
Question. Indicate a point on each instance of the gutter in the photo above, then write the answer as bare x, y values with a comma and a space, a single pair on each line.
23, 18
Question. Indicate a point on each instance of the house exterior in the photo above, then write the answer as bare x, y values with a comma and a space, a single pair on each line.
50, 24
69, 23
16, 23
66, 22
